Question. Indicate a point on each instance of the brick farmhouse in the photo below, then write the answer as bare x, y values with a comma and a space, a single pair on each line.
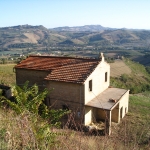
78, 84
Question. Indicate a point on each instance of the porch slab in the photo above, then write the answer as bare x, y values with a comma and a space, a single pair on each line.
108, 99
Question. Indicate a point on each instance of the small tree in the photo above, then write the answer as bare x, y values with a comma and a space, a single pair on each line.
26, 98
4, 61
27, 103
30, 99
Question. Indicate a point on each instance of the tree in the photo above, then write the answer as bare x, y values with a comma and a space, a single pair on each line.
29, 99
34, 125
4, 61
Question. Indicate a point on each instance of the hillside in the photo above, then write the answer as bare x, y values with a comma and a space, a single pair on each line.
130, 75
118, 68
87, 40
91, 28
28, 131
144, 59
27, 36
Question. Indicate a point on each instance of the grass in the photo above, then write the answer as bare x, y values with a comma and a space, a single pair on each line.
7, 76
133, 133
135, 67
18, 132
134, 129
24, 131
141, 104
118, 68
138, 80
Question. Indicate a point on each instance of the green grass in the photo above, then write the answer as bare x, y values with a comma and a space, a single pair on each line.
7, 76
137, 81
136, 67
140, 104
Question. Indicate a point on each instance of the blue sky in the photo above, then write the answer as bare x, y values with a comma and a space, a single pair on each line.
56, 13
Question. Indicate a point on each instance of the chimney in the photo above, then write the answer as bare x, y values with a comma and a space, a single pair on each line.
102, 57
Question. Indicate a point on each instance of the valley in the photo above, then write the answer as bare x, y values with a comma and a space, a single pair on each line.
88, 41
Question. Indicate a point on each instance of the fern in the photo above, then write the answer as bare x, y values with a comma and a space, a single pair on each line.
27, 98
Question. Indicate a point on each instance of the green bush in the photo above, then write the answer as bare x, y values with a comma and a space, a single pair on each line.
148, 69
29, 99
32, 117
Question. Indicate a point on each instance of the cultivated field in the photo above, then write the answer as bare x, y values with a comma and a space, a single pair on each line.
118, 68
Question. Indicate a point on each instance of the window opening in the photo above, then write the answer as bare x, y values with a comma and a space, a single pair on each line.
90, 85
121, 111
105, 76
65, 107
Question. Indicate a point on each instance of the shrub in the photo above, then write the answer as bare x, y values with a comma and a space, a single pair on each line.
32, 117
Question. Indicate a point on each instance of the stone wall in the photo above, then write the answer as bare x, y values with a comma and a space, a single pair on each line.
33, 76
65, 95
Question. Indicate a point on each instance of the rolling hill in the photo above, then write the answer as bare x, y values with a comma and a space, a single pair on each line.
90, 39
23, 36
26, 36
91, 28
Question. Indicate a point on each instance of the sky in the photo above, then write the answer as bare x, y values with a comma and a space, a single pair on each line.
133, 14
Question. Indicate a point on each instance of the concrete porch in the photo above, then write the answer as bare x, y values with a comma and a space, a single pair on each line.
109, 106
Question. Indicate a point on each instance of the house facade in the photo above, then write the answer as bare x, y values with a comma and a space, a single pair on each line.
78, 84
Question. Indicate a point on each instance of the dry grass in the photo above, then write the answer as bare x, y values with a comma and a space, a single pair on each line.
118, 68
33, 38
24, 131
133, 133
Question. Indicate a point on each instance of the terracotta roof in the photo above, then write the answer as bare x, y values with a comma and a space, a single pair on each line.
67, 69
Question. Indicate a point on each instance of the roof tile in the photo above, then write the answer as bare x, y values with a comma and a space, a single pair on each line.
66, 69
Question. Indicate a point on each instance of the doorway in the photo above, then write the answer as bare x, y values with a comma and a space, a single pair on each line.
121, 111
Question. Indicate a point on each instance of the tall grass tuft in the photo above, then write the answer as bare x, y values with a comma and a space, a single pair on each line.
24, 131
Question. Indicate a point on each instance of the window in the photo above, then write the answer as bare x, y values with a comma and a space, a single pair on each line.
79, 114
90, 85
121, 112
65, 107
105, 76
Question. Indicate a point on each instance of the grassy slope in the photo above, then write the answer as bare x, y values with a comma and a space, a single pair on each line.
7, 76
126, 66
118, 68
137, 81
132, 133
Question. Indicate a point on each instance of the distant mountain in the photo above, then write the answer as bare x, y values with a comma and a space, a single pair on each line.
26, 36
38, 37
91, 28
